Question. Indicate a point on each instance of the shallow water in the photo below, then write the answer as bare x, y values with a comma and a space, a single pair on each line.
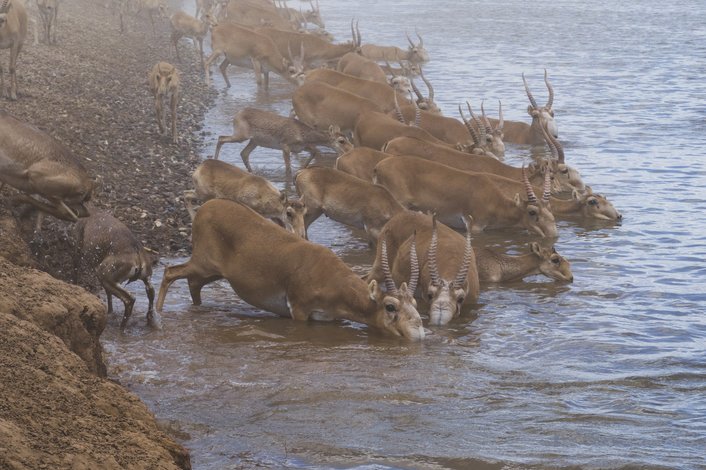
605, 372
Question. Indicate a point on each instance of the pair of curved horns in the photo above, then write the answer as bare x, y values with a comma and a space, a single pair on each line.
533, 102
467, 255
390, 286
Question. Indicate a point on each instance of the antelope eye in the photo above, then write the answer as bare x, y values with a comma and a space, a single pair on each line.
565, 171
532, 212
593, 202
555, 260
390, 308
551, 112
430, 296
461, 299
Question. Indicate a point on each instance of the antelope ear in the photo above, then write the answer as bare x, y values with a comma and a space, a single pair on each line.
403, 287
575, 195
373, 289
518, 201
530, 110
535, 248
283, 197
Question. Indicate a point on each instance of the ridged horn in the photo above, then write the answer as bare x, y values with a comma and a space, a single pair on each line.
479, 124
413, 265
550, 100
529, 93
528, 187
428, 84
420, 97
431, 256
417, 113
501, 121
486, 122
389, 282
547, 189
471, 130
460, 280
421, 41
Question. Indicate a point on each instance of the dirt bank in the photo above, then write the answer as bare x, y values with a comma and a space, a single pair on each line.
90, 92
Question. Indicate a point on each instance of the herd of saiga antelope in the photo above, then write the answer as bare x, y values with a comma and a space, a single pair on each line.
405, 161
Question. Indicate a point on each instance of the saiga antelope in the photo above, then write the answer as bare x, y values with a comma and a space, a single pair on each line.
246, 48
415, 53
216, 179
346, 199
36, 164
107, 246
13, 31
448, 277
493, 201
270, 130
165, 86
497, 267
185, 25
48, 11
277, 271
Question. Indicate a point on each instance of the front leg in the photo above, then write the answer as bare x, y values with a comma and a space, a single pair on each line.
173, 103
159, 111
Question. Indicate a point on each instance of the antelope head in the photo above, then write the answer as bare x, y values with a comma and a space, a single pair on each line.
551, 263
5, 6
480, 141
293, 212
295, 65
338, 140
537, 216
425, 103
595, 206
566, 178
494, 135
416, 52
445, 297
542, 116
397, 310
166, 77
314, 16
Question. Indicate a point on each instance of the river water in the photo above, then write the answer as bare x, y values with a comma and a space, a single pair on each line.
609, 371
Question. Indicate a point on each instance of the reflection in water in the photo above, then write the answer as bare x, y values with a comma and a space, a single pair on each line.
605, 372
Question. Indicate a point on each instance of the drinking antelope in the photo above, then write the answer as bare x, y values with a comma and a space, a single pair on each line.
448, 278
493, 201
497, 267
346, 199
216, 179
415, 53
277, 271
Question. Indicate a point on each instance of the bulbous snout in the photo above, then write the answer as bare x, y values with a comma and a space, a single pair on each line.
441, 313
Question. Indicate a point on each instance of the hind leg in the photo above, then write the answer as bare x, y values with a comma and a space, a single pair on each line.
245, 154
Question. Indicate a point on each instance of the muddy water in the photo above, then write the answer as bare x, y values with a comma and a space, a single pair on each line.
605, 372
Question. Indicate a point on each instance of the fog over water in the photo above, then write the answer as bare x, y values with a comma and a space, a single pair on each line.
605, 372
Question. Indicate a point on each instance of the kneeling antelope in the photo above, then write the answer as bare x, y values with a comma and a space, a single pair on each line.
34, 163
267, 129
107, 246
346, 199
493, 201
165, 86
284, 274
217, 179
497, 267
448, 279
13, 31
